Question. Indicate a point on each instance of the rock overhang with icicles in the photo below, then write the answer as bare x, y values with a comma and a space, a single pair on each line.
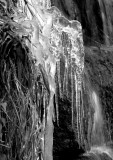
53, 39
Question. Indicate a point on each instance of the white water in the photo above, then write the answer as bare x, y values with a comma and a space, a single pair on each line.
98, 119
97, 131
98, 145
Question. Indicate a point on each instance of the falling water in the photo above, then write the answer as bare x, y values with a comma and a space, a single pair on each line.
106, 14
105, 9
97, 134
98, 140
98, 144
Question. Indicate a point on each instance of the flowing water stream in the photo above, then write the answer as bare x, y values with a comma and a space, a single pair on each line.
97, 134
98, 144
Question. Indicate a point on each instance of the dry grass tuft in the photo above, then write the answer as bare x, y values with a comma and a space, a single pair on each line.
23, 99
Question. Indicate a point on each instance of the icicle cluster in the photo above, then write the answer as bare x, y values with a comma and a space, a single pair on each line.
57, 45
67, 47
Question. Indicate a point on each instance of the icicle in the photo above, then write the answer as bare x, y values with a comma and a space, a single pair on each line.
49, 131
44, 107
57, 95
44, 124
65, 82
77, 115
77, 109
72, 94
67, 78
57, 108
59, 79
79, 106
69, 71
81, 115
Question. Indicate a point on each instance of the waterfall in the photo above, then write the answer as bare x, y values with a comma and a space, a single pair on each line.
106, 19
97, 133
98, 147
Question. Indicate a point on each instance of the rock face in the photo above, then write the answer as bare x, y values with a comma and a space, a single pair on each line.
95, 16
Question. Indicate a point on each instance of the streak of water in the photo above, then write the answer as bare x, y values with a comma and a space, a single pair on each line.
97, 114
105, 13
97, 131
